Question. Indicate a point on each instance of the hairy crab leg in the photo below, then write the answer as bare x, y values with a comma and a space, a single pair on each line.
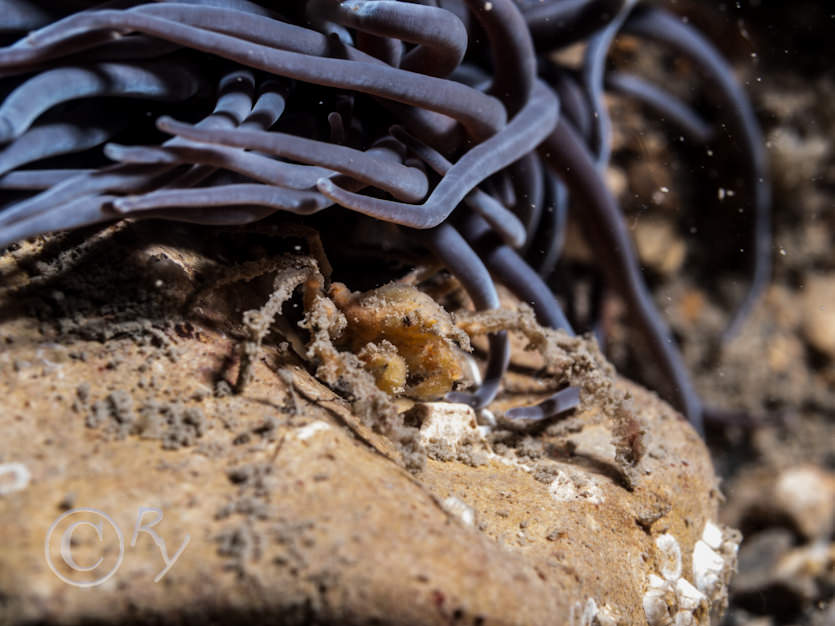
514, 273
460, 259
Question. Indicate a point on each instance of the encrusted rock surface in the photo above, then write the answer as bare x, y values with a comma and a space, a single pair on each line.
279, 503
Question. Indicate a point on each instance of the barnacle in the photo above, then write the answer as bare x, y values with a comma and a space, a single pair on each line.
448, 118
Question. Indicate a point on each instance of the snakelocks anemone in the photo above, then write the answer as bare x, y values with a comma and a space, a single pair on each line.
453, 120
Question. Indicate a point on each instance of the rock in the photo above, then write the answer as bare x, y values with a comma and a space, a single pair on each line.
616, 180
819, 313
776, 577
659, 247
804, 565
282, 505
671, 598
801, 497
796, 159
790, 563
806, 495
758, 558
826, 617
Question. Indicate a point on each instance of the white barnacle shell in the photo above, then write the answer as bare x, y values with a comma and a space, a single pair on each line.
460, 509
689, 598
671, 599
670, 556
19, 474
707, 567
658, 601
589, 614
308, 430
714, 560
685, 618
570, 486
712, 535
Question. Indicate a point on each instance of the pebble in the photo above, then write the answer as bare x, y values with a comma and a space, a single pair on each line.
758, 558
659, 246
806, 495
819, 313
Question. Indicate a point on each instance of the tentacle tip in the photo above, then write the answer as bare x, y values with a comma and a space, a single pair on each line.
561, 402
697, 421
166, 124
515, 237
113, 151
463, 397
6, 131
326, 186
120, 206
